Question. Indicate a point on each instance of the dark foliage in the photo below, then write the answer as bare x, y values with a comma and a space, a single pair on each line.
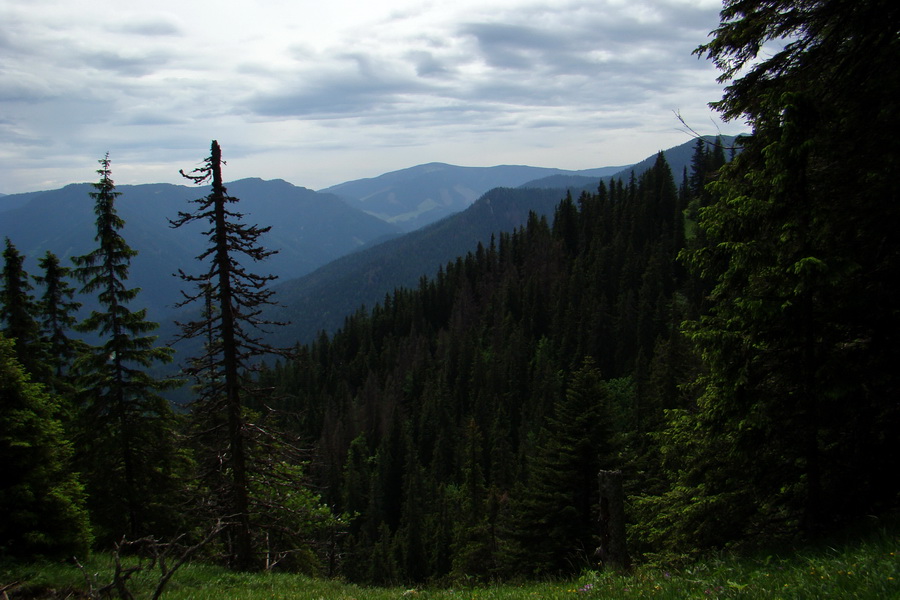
20, 312
42, 500
452, 415
124, 428
797, 415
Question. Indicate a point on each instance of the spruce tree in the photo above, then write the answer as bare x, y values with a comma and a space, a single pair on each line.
125, 432
20, 313
554, 517
473, 544
41, 498
57, 312
699, 167
796, 417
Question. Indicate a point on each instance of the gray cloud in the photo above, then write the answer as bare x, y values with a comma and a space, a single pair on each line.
145, 117
125, 63
523, 66
356, 84
485, 83
512, 46
428, 65
154, 26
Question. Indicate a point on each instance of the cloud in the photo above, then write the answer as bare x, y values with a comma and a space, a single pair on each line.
505, 81
427, 64
148, 117
151, 26
514, 47
124, 63
351, 84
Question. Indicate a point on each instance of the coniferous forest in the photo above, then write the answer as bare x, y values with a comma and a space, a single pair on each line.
725, 337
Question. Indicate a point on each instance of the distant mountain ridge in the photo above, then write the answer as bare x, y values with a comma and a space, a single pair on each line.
309, 229
678, 157
414, 197
333, 256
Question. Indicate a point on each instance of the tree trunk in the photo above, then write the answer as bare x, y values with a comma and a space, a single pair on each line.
612, 550
243, 557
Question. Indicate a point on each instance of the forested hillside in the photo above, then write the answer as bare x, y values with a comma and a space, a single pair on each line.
463, 422
729, 346
320, 301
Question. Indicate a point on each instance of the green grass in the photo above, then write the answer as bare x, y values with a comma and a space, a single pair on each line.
868, 568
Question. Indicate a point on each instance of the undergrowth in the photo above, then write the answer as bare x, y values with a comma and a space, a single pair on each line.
868, 568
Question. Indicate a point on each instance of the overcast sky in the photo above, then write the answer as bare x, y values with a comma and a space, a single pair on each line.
325, 91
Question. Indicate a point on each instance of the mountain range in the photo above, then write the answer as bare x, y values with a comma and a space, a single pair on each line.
414, 197
335, 254
321, 300
309, 229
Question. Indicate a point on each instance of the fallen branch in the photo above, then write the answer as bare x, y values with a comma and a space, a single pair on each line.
8, 586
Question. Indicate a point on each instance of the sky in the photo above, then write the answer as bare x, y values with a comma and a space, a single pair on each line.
326, 91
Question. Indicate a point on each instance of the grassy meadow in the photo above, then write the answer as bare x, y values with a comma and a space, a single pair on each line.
861, 568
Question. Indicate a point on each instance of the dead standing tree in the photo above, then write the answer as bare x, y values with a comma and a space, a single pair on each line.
231, 325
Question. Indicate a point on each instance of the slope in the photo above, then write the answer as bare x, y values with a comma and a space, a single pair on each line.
308, 228
321, 300
417, 196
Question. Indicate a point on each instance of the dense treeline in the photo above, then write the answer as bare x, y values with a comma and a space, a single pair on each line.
463, 423
796, 415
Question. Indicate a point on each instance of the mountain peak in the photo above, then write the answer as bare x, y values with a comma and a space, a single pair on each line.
416, 196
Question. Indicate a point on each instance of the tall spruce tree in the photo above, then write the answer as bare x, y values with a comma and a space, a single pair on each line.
125, 432
796, 422
234, 298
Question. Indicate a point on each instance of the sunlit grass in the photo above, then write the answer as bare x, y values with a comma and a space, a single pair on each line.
863, 569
